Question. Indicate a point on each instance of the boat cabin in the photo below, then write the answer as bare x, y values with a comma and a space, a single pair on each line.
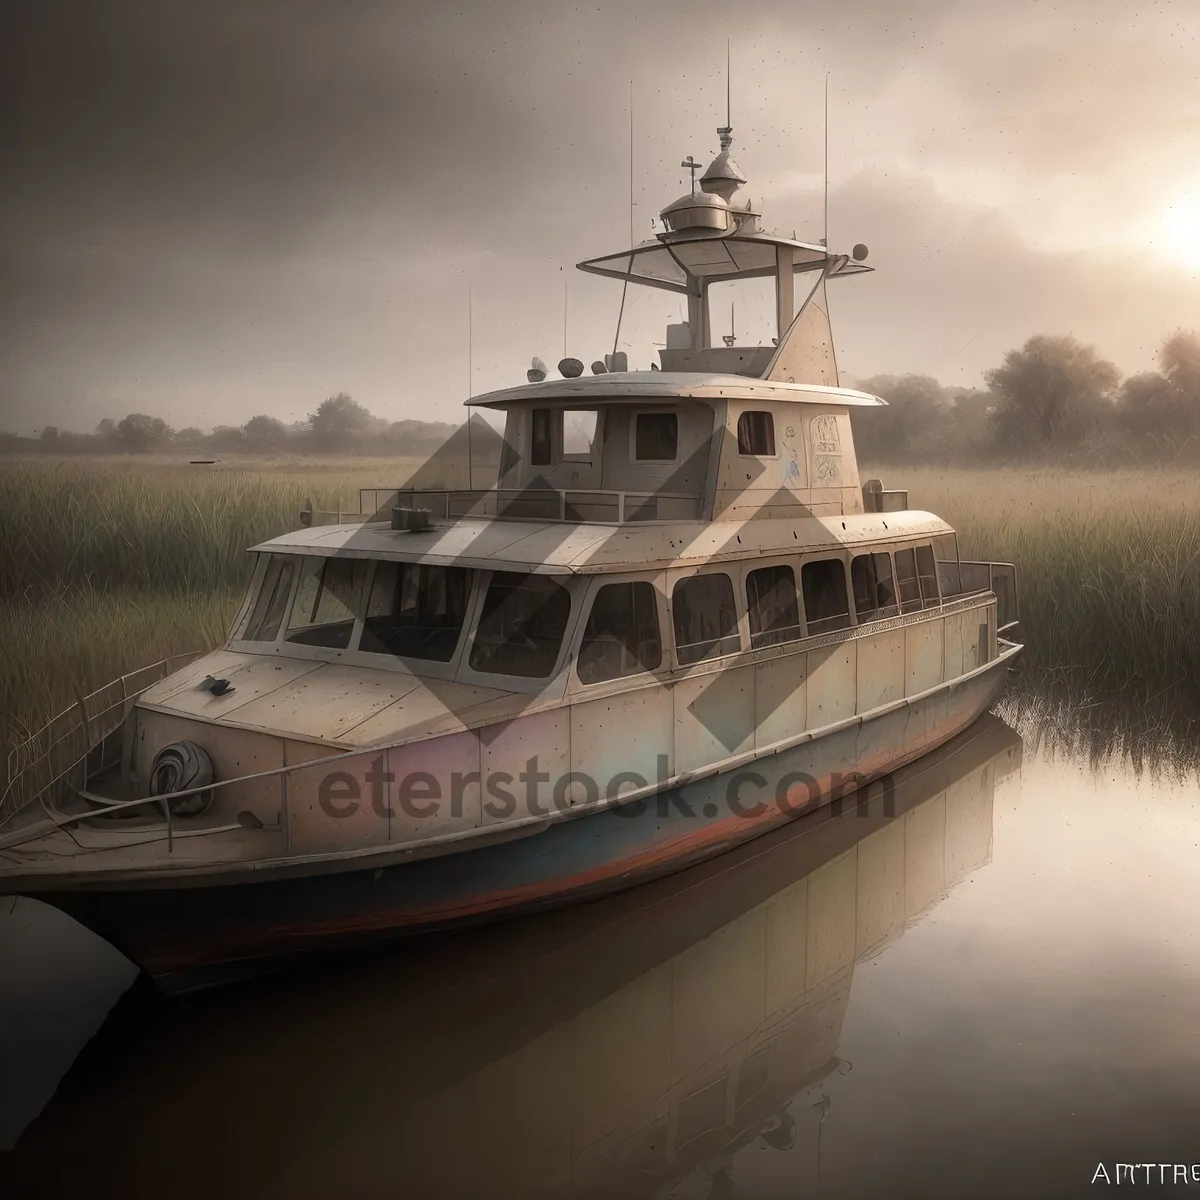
663, 446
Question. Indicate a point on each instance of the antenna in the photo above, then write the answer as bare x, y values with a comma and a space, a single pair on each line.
825, 239
625, 285
565, 285
470, 379
725, 133
731, 337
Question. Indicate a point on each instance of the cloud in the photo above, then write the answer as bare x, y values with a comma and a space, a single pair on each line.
255, 204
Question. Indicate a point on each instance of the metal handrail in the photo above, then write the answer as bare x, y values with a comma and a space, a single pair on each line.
450, 503
95, 726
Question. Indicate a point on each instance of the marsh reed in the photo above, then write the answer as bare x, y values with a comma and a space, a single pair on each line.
105, 566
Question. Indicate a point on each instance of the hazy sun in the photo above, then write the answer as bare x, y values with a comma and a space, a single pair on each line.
1181, 224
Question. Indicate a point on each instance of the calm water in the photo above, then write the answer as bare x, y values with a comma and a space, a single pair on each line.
990, 992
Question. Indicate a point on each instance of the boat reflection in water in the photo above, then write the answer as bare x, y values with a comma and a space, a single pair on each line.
627, 1047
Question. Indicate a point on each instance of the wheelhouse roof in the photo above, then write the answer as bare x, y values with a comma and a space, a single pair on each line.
558, 548
670, 260
672, 385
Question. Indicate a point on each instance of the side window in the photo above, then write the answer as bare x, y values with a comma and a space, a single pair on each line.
927, 576
945, 551
271, 602
656, 437
415, 611
621, 636
756, 434
579, 433
874, 588
826, 604
906, 580
771, 604
541, 438
705, 618
521, 626
327, 598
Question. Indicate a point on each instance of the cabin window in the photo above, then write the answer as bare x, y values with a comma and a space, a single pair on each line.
579, 433
656, 437
327, 597
874, 588
945, 551
705, 618
907, 584
415, 611
521, 626
621, 636
756, 434
916, 578
771, 603
541, 437
826, 604
271, 603
927, 576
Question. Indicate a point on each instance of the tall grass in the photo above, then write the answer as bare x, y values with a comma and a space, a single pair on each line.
154, 527
105, 566
66, 646
1108, 564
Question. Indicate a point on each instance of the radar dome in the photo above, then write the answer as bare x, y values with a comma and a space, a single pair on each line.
697, 210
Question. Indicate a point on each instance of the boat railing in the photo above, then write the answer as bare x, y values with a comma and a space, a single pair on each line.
63, 745
575, 505
997, 577
878, 499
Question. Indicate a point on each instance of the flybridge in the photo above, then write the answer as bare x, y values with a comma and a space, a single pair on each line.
712, 234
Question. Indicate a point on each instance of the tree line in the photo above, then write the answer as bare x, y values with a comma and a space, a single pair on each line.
1054, 399
340, 425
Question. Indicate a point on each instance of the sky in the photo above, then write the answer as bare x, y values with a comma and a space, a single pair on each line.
211, 210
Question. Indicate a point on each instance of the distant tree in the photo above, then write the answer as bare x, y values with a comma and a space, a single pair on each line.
1180, 362
106, 431
49, 437
916, 406
191, 436
1051, 392
1163, 407
1148, 406
264, 433
228, 437
339, 422
141, 434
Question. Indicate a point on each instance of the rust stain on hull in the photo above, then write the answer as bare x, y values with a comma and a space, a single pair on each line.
205, 931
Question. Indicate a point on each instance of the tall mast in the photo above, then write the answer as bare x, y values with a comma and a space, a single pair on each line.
470, 378
825, 239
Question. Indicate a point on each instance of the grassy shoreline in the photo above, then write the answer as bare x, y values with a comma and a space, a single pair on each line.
109, 565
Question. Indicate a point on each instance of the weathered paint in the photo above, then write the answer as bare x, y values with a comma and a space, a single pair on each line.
714, 717
832, 683
922, 656
582, 1006
881, 675
780, 698
174, 931
556, 549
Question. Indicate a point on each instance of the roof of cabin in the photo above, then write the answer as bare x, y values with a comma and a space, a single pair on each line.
558, 548
667, 260
673, 385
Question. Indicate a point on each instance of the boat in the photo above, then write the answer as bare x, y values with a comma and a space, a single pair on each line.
637, 1046
675, 619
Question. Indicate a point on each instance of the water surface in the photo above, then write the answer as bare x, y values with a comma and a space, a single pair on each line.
989, 991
